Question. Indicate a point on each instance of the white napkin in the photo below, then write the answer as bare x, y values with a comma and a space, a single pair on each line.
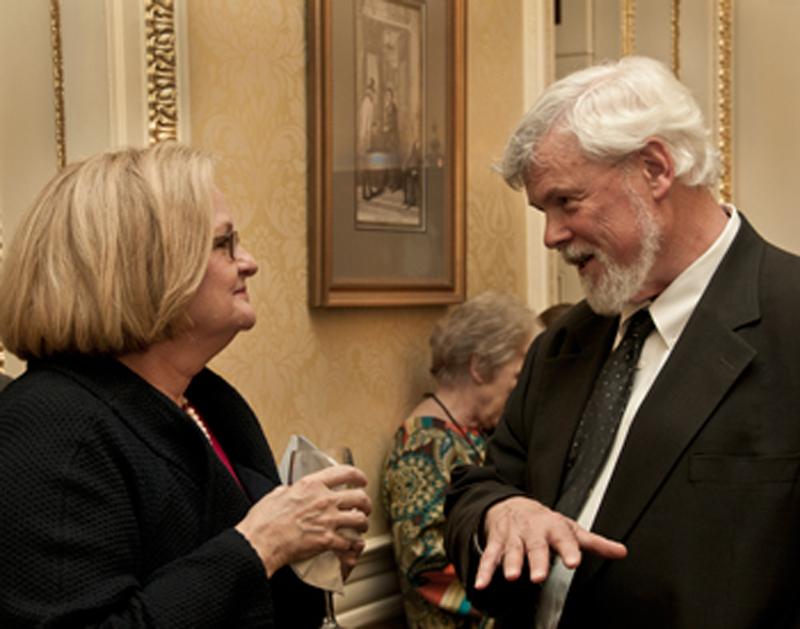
324, 570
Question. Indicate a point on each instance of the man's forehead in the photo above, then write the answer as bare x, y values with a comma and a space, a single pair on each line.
555, 143
547, 166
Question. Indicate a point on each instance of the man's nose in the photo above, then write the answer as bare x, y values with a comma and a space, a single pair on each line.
556, 232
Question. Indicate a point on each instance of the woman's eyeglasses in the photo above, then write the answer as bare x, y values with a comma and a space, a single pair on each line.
228, 241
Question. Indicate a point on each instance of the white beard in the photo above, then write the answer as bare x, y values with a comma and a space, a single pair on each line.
618, 284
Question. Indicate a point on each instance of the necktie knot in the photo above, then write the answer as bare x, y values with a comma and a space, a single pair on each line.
600, 420
640, 325
638, 329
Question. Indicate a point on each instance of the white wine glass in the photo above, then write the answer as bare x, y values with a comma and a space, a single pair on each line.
307, 461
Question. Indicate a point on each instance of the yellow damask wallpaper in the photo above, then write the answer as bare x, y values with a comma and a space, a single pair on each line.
343, 376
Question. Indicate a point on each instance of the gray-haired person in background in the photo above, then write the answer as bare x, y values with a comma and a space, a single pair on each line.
476, 354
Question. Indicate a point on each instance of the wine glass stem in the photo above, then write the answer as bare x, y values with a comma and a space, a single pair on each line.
330, 618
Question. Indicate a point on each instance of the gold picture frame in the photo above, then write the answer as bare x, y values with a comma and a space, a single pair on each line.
387, 132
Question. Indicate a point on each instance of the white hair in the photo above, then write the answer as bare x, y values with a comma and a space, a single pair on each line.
613, 109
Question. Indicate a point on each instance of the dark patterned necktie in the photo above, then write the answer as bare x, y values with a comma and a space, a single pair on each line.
600, 421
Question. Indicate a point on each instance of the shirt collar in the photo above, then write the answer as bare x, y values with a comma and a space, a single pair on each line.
673, 307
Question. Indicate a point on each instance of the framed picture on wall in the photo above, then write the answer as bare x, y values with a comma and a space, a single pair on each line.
387, 122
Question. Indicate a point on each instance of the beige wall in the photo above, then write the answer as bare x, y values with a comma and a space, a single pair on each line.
766, 106
27, 125
336, 376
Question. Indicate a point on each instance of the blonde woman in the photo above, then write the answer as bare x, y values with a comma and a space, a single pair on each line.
137, 486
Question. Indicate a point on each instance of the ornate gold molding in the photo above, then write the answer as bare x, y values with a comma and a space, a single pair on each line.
725, 96
628, 12
2, 349
162, 81
58, 81
675, 33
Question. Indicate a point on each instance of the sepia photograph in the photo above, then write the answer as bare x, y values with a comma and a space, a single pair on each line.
386, 222
390, 123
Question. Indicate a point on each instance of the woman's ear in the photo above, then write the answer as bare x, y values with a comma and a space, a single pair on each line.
475, 370
658, 168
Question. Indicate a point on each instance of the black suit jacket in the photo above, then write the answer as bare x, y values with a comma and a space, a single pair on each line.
705, 492
115, 512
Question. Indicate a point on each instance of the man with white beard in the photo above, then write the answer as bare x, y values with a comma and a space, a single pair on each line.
646, 468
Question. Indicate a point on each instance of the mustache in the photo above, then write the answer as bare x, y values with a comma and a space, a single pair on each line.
575, 254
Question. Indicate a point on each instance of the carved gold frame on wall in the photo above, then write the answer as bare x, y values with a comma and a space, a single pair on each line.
723, 70
725, 96
675, 36
628, 27
58, 81
162, 76
161, 73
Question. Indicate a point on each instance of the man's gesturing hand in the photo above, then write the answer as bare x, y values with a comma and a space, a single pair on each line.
519, 527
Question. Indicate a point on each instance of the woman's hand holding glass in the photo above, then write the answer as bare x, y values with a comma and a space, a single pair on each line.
349, 558
312, 515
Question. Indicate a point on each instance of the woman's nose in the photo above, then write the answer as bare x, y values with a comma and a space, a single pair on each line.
247, 263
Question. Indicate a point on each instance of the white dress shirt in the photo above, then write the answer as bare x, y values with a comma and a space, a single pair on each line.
670, 311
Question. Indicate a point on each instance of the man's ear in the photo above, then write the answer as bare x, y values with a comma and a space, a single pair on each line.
659, 170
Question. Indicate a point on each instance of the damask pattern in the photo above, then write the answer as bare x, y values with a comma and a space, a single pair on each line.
336, 377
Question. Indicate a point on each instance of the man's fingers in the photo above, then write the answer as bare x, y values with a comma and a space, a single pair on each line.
539, 562
599, 545
520, 528
489, 560
512, 560
565, 542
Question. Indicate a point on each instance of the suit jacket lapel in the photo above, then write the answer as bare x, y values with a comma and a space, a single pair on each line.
567, 382
705, 362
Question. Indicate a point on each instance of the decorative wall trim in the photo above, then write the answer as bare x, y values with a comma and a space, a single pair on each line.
538, 71
675, 37
58, 81
182, 61
162, 77
723, 86
725, 95
372, 593
126, 73
2, 349
628, 13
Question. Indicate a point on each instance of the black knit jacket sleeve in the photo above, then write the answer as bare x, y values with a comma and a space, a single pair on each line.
116, 513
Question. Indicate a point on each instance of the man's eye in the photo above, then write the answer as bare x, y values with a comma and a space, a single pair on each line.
568, 204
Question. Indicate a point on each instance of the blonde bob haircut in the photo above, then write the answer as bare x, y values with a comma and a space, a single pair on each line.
492, 328
110, 254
